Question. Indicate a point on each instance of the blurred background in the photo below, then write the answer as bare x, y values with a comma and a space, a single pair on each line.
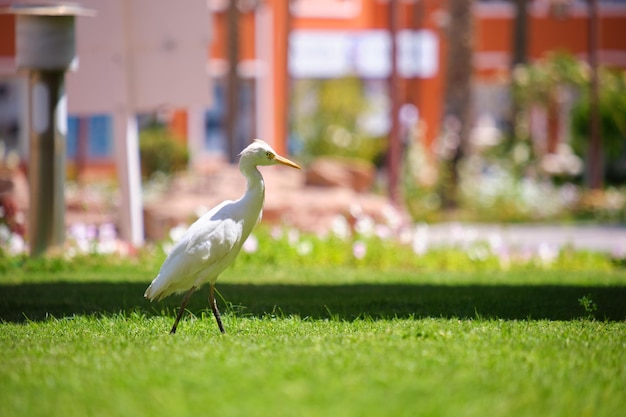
464, 110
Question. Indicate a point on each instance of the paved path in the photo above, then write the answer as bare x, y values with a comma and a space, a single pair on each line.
610, 239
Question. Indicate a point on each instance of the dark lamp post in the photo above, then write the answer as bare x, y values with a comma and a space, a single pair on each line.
45, 49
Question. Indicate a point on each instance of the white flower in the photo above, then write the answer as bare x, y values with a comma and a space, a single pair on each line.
478, 253
382, 231
392, 216
78, 231
17, 245
547, 253
359, 249
405, 235
364, 225
251, 244
340, 227
107, 239
304, 248
276, 232
107, 231
177, 232
420, 239
293, 236
496, 243
92, 233
356, 210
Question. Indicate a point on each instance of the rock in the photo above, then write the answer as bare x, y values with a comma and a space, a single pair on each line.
348, 173
287, 200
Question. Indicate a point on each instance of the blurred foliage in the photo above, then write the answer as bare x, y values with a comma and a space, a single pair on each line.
514, 180
161, 152
612, 110
422, 181
493, 191
327, 120
607, 205
540, 83
282, 247
536, 83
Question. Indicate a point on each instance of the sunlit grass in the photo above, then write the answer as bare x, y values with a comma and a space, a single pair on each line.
77, 338
126, 364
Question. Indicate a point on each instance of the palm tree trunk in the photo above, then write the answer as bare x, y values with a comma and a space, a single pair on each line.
232, 100
519, 56
458, 94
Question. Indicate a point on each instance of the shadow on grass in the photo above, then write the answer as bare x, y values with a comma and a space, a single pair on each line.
20, 303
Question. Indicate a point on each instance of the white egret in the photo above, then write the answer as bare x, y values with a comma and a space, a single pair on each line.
212, 243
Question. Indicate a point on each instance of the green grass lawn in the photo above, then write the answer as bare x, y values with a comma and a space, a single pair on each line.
78, 339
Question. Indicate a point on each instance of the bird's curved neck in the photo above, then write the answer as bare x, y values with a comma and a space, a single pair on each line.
256, 186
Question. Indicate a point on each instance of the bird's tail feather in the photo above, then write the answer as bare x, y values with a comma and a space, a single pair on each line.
153, 291
148, 294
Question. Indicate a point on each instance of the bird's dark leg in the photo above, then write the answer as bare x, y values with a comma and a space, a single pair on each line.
216, 312
182, 308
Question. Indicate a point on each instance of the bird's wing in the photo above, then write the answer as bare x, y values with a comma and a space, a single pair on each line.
200, 253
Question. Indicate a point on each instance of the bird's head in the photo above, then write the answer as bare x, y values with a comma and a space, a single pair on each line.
260, 153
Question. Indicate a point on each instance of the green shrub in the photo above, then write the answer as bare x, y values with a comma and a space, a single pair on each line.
327, 120
160, 151
612, 110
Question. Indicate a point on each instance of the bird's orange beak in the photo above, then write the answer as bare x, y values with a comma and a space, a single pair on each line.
285, 161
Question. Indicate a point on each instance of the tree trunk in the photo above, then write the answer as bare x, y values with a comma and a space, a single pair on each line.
232, 100
596, 166
394, 157
520, 34
458, 94
519, 56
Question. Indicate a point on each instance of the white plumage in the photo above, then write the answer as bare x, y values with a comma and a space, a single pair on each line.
213, 242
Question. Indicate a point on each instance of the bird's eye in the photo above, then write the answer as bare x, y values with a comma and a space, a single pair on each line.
269, 155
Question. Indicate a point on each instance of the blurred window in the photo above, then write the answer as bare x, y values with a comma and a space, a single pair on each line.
215, 117
342, 9
99, 136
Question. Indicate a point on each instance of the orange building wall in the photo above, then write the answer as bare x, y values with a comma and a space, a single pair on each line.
280, 74
548, 34
492, 34
426, 94
7, 38
218, 45
493, 37
613, 33
246, 36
